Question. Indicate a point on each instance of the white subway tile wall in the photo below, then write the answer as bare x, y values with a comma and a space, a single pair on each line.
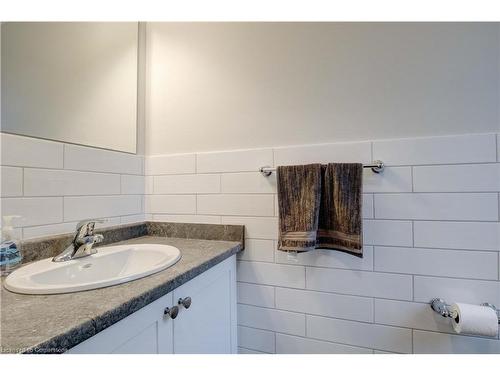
174, 204
459, 149
233, 161
437, 206
431, 229
236, 204
325, 304
457, 235
170, 164
80, 208
360, 283
328, 258
272, 319
256, 340
91, 159
286, 344
53, 185
457, 178
257, 295
197, 219
425, 342
349, 152
367, 335
186, 184
31, 152
258, 250
436, 262
53, 182
12, 181
249, 351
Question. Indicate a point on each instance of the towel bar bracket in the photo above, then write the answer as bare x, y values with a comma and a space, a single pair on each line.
441, 307
266, 171
377, 166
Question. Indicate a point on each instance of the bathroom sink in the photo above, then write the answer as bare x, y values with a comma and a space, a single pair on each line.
111, 265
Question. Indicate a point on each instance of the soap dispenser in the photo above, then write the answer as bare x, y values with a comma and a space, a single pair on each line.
10, 252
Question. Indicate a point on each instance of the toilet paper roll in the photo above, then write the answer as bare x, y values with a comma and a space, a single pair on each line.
474, 319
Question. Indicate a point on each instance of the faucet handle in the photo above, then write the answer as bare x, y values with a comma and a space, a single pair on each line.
86, 227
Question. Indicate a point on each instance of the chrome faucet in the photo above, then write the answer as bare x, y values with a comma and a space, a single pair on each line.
82, 243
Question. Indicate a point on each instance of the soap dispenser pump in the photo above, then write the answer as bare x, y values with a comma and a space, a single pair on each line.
10, 252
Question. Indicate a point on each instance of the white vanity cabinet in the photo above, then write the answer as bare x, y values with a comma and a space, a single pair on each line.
208, 325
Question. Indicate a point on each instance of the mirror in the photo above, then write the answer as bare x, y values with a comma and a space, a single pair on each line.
74, 82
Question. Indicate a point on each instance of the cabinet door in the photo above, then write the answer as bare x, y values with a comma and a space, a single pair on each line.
147, 331
209, 324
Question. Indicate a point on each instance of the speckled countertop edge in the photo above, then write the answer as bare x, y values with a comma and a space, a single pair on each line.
88, 327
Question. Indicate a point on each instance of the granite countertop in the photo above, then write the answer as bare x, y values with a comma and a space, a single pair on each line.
55, 323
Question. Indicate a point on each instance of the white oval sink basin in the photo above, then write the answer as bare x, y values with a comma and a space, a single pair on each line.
111, 265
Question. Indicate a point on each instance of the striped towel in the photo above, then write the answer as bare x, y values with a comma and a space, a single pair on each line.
299, 191
321, 207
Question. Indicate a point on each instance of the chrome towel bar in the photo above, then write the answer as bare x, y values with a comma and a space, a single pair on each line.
377, 166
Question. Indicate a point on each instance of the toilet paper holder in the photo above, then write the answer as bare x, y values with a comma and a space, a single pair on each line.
443, 309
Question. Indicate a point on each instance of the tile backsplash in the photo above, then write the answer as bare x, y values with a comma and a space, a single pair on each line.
431, 229
53, 185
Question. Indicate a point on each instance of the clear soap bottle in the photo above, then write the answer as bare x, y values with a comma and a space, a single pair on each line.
10, 252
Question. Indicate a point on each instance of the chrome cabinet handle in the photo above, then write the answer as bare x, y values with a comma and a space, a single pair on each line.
171, 311
186, 302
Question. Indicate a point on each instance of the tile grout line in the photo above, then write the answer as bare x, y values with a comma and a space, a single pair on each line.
63, 211
412, 341
412, 179
373, 259
64, 157
373, 206
22, 182
413, 233
305, 322
374, 311
497, 139
413, 288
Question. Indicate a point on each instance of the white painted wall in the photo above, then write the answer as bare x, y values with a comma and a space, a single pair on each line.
219, 86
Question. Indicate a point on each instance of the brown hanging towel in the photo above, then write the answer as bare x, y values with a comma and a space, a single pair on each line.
340, 216
299, 189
